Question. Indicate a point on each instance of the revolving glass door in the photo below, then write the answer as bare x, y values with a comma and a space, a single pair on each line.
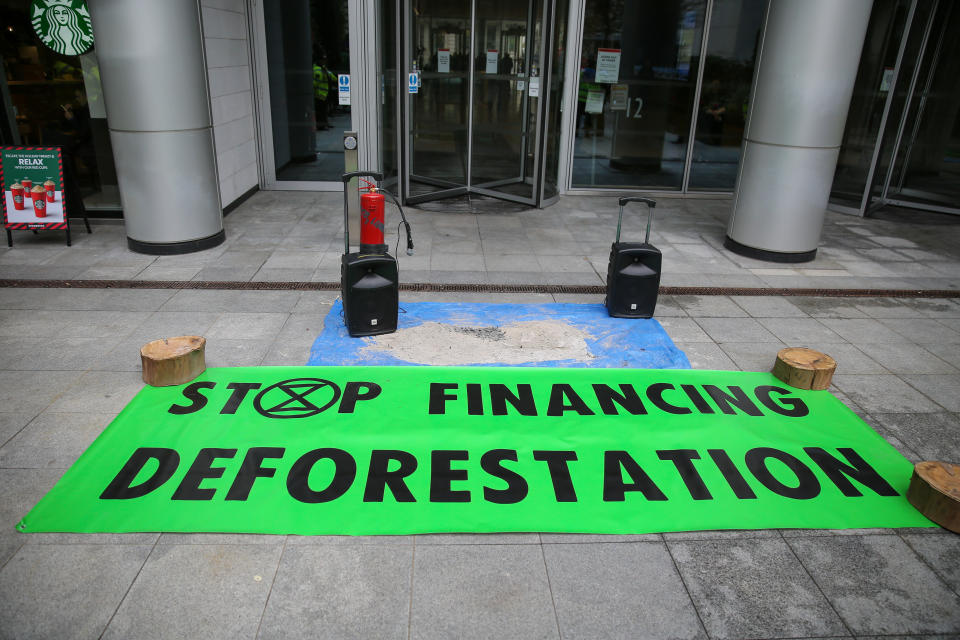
477, 102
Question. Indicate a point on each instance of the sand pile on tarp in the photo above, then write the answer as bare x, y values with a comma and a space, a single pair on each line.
435, 343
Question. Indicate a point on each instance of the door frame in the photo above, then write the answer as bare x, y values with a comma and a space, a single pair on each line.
879, 191
364, 112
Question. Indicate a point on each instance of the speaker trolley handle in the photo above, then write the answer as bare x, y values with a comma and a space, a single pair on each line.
650, 205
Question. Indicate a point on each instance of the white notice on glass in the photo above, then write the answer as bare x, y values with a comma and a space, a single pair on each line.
343, 83
618, 97
594, 102
534, 91
608, 65
887, 79
443, 60
492, 57
521, 85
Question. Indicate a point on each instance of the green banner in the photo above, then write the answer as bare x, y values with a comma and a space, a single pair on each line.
398, 450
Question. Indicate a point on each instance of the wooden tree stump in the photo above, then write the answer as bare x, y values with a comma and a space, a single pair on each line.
935, 492
804, 368
173, 361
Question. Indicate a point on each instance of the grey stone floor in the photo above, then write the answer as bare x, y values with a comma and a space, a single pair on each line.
297, 236
897, 370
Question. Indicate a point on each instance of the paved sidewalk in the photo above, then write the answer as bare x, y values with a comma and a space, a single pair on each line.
298, 236
896, 369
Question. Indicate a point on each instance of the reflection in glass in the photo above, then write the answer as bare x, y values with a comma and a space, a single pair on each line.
57, 100
440, 51
728, 73
504, 113
633, 131
928, 161
307, 48
870, 90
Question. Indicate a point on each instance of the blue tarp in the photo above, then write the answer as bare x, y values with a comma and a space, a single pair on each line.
612, 342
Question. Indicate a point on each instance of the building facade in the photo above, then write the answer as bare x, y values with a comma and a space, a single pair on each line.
518, 101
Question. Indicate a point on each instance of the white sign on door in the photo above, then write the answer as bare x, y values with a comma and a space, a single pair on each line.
413, 83
594, 102
443, 60
608, 65
492, 57
343, 81
534, 91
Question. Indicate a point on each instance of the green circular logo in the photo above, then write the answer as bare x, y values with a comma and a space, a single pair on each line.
63, 25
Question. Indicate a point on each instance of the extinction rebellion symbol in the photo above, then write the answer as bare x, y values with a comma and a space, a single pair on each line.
297, 398
62, 25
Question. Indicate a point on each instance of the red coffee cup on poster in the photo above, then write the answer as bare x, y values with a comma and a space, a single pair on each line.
27, 187
17, 191
49, 188
39, 202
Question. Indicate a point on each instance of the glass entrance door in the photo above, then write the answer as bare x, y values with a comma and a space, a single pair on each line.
477, 98
926, 170
902, 138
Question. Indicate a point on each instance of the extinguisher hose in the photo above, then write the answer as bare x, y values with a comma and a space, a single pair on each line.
405, 223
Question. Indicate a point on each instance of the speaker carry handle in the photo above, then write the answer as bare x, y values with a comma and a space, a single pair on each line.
346, 178
650, 205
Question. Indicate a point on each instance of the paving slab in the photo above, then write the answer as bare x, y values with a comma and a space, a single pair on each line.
711, 307
735, 330
684, 330
54, 353
769, 307
222, 352
879, 585
923, 330
860, 330
65, 591
198, 591
605, 538
481, 591
933, 436
53, 440
828, 307
753, 589
629, 590
246, 326
33, 391
166, 324
232, 301
905, 357
944, 389
707, 356
808, 332
941, 553
294, 540
322, 591
98, 391
12, 423
884, 394
477, 538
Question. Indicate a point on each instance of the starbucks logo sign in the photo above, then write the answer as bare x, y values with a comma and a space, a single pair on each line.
63, 25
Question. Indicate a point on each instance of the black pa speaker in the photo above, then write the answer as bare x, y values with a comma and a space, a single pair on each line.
633, 279
633, 272
371, 295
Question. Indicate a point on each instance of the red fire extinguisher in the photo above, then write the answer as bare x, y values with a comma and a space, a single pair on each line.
371, 220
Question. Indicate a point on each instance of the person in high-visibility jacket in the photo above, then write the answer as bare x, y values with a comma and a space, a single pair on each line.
323, 83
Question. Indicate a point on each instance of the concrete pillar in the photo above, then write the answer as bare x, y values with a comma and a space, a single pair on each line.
153, 70
802, 86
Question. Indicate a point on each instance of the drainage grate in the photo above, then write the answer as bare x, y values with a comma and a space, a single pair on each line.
476, 288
